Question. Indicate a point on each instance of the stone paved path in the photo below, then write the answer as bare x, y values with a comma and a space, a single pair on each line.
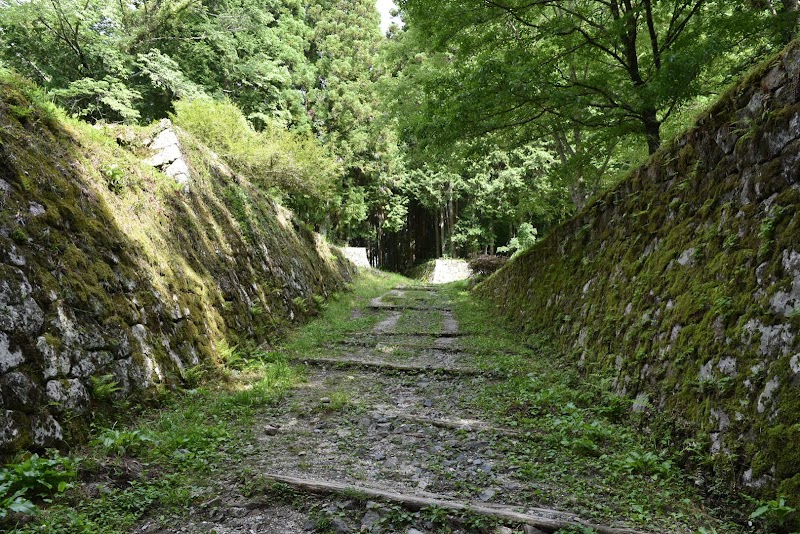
391, 409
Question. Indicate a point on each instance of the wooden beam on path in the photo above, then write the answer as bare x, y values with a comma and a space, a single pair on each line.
454, 424
416, 288
389, 366
375, 342
417, 334
545, 519
411, 307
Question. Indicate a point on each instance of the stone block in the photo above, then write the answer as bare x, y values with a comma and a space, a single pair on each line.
9, 358
19, 392
67, 395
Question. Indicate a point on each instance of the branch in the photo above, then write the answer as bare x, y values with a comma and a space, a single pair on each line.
671, 38
648, 8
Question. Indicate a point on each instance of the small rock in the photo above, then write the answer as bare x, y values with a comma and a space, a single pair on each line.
487, 494
369, 519
325, 400
310, 525
503, 530
238, 512
36, 209
339, 526
529, 529
428, 403
302, 453
379, 456
270, 430
414, 531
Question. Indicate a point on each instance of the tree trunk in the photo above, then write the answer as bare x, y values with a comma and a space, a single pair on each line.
792, 6
438, 234
652, 130
442, 236
451, 223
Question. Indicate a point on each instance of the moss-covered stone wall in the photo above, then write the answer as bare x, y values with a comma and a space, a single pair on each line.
109, 268
684, 281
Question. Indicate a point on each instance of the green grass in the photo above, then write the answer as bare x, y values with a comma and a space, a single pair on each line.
179, 447
337, 322
585, 450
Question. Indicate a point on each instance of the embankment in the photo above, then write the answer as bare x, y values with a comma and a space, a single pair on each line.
116, 278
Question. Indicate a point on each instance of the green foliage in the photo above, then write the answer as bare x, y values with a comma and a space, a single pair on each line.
34, 478
337, 401
121, 442
273, 158
605, 74
525, 239
108, 99
104, 387
773, 514
115, 176
576, 530
230, 355
646, 464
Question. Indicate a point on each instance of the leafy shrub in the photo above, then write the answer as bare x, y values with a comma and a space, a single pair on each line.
107, 99
230, 355
292, 162
34, 478
115, 177
486, 264
120, 442
646, 464
525, 239
774, 514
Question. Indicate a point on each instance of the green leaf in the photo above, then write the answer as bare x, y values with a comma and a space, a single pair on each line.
761, 510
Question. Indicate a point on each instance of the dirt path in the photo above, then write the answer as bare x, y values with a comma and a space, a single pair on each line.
384, 436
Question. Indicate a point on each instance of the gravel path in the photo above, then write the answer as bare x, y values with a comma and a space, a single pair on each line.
360, 421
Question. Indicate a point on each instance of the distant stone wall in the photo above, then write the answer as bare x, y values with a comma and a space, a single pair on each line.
111, 269
684, 281
446, 271
357, 256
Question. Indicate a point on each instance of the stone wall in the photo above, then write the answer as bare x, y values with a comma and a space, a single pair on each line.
112, 272
684, 281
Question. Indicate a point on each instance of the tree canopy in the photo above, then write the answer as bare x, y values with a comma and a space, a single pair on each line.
475, 127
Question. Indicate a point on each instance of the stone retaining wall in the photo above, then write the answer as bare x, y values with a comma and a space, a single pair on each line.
684, 281
115, 278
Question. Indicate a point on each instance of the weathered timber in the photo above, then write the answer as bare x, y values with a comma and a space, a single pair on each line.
407, 307
388, 366
369, 345
545, 519
454, 424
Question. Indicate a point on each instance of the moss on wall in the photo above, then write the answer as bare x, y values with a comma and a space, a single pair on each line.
109, 267
684, 281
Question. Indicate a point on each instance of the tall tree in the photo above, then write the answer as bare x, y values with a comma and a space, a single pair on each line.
621, 65
346, 109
